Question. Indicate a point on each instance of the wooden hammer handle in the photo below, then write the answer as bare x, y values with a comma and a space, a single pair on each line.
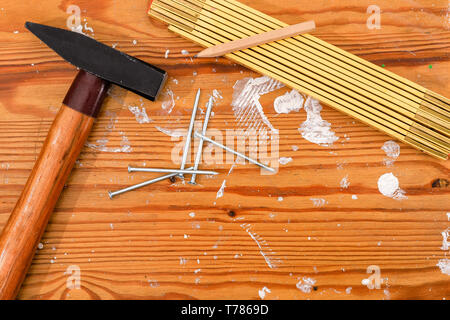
30, 216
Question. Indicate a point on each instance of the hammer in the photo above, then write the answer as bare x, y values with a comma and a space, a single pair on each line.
99, 67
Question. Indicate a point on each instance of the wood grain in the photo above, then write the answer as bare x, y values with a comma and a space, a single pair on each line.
146, 245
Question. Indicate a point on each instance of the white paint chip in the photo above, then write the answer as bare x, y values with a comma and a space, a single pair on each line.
389, 186
345, 183
445, 239
306, 284
141, 115
444, 265
284, 160
290, 101
392, 150
315, 129
221, 190
263, 291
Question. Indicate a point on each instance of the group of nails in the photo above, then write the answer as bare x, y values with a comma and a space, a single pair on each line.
192, 170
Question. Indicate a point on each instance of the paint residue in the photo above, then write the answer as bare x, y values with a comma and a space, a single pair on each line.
246, 106
284, 160
169, 101
445, 239
392, 150
444, 265
345, 183
101, 145
389, 186
262, 292
217, 96
306, 284
175, 133
315, 129
141, 115
290, 101
264, 248
221, 190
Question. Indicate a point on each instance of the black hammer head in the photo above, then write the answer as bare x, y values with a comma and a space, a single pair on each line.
103, 61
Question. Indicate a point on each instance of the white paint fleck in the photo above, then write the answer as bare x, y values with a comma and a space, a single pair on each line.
265, 250
295, 148
101, 146
40, 246
315, 129
280, 199
392, 150
183, 261
217, 96
389, 186
184, 52
246, 106
135, 42
290, 101
192, 214
141, 115
445, 239
176, 133
169, 101
354, 197
16, 31
444, 265
345, 183
348, 290
221, 190
284, 160
263, 291
306, 284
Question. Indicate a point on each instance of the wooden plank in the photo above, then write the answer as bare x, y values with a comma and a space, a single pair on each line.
135, 246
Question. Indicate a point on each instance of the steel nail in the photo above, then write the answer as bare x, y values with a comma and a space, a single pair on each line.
143, 184
189, 134
177, 171
200, 145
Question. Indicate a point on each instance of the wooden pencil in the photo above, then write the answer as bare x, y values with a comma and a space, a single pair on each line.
256, 40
